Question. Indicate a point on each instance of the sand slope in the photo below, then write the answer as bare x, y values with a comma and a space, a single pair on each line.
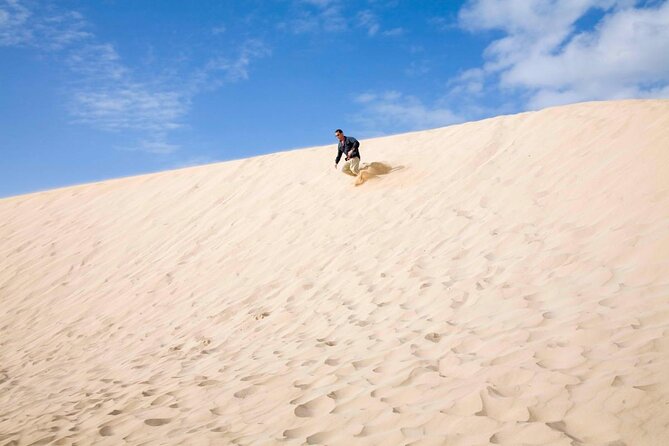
507, 283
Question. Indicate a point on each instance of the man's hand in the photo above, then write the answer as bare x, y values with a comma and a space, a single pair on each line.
335, 165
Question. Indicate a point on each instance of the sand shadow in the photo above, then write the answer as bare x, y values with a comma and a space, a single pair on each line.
373, 170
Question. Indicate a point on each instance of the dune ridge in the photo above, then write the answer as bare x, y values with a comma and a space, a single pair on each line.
507, 285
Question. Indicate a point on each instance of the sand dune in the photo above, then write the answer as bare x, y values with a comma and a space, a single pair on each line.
501, 282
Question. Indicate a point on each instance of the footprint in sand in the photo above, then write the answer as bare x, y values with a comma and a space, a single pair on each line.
321, 437
252, 377
106, 431
203, 341
316, 407
262, 315
298, 432
364, 363
161, 400
332, 361
157, 421
245, 392
434, 337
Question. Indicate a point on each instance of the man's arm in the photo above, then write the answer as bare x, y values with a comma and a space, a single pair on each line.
339, 152
356, 144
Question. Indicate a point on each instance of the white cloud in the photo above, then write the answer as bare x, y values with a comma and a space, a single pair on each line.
527, 16
470, 82
393, 32
319, 16
394, 112
58, 31
545, 57
20, 27
13, 23
221, 69
327, 16
159, 147
368, 20
96, 60
129, 106
106, 94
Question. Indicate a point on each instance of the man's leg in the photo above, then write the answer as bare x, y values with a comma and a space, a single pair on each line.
346, 168
355, 165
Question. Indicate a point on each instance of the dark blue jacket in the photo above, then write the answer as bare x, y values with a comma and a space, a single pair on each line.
349, 143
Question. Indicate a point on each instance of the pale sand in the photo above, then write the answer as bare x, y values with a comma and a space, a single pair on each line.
508, 285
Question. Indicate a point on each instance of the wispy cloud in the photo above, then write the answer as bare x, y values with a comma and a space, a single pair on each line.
417, 68
99, 61
129, 106
368, 20
398, 31
470, 82
19, 26
13, 24
159, 147
315, 16
225, 68
544, 57
106, 93
331, 16
394, 112
442, 23
371, 23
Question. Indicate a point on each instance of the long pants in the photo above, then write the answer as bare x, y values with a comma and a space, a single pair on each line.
352, 166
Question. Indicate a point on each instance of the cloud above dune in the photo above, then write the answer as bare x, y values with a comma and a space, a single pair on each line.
547, 59
394, 112
539, 53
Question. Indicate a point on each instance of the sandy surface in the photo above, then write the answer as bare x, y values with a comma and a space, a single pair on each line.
506, 283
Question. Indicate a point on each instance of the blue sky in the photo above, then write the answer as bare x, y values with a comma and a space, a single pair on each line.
91, 90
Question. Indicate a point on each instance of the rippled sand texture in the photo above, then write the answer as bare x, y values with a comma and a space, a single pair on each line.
508, 285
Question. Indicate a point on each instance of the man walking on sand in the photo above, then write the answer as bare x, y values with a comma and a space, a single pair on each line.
348, 146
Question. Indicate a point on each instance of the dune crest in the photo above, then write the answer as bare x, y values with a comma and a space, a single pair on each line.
509, 286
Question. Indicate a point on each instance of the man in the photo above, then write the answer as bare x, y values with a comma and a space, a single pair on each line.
348, 146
